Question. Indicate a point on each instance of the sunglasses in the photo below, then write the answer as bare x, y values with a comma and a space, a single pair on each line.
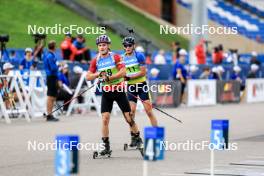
129, 45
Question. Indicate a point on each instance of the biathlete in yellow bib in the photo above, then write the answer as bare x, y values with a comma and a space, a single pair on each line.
136, 81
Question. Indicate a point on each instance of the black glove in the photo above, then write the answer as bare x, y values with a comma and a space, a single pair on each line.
127, 78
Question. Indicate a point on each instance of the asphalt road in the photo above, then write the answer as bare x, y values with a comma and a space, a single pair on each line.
246, 130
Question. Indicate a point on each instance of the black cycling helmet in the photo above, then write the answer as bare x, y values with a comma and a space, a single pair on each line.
128, 40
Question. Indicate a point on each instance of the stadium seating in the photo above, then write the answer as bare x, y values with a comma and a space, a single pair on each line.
256, 6
230, 16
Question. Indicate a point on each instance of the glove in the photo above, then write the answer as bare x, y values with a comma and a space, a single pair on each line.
127, 78
103, 77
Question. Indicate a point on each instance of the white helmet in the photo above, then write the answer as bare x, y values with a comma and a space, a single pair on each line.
7, 66
77, 69
193, 68
254, 53
154, 71
220, 69
254, 67
237, 68
182, 52
28, 50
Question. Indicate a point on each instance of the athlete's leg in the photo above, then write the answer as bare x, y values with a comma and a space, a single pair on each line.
123, 103
105, 124
148, 108
145, 97
106, 108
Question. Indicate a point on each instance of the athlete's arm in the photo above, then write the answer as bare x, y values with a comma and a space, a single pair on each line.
120, 66
179, 72
92, 74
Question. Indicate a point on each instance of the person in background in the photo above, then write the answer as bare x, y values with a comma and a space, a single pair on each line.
148, 59
154, 72
206, 73
237, 77
200, 53
51, 69
175, 51
233, 56
160, 58
179, 71
192, 72
217, 55
220, 72
8, 97
140, 49
80, 52
27, 62
253, 71
214, 74
254, 59
74, 79
75, 76
66, 47
13, 57
64, 92
236, 74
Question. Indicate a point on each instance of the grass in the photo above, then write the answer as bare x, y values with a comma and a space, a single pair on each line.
113, 10
16, 15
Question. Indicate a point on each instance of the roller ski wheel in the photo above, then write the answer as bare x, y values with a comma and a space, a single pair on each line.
125, 147
102, 154
95, 155
141, 151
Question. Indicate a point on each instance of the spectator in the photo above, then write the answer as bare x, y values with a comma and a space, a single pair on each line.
217, 55
74, 80
13, 58
253, 71
206, 73
200, 52
140, 49
8, 97
148, 59
175, 51
27, 62
220, 72
236, 76
192, 72
233, 56
154, 73
179, 71
7, 67
64, 92
214, 74
75, 77
160, 58
66, 47
80, 53
254, 59
51, 68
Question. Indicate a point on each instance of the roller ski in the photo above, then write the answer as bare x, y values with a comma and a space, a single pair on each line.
136, 144
104, 153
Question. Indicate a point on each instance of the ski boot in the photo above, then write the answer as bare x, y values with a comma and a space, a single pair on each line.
136, 143
106, 152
